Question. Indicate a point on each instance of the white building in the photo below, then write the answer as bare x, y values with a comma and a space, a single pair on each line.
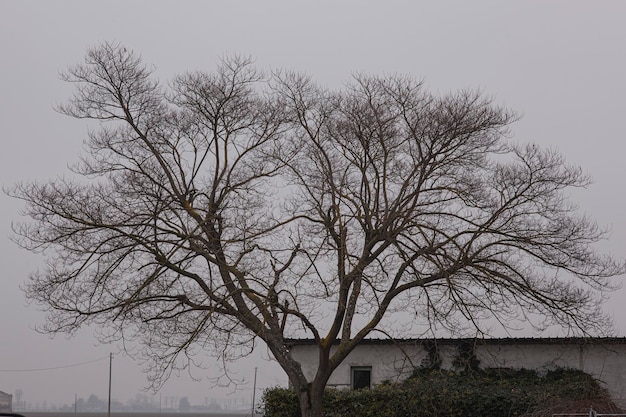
374, 361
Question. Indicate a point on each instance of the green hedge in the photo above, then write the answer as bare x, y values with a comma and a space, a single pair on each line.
438, 393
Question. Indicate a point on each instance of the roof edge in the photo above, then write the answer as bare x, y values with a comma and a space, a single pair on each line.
480, 341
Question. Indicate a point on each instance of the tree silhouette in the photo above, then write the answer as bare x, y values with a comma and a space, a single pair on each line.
233, 206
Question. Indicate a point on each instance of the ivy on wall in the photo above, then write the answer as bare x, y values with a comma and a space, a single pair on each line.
466, 392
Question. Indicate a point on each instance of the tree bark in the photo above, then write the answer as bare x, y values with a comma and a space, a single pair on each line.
310, 400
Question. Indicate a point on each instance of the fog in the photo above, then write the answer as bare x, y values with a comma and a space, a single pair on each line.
561, 64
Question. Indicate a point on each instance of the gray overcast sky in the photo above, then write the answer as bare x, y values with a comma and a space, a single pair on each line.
562, 64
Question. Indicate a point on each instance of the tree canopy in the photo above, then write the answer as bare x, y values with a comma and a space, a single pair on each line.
231, 206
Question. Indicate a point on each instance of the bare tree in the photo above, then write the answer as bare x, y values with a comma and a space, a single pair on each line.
233, 206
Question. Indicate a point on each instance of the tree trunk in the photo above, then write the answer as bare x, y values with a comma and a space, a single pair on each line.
310, 399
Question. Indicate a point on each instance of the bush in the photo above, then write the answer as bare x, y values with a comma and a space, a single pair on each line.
435, 393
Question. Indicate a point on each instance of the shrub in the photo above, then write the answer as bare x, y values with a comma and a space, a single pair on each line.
477, 393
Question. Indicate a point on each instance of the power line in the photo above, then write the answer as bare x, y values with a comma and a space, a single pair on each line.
54, 367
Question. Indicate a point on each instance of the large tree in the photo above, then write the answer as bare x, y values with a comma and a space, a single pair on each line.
233, 206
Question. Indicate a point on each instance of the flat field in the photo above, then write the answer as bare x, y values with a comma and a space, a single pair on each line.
131, 414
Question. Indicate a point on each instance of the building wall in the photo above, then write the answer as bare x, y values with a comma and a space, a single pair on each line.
606, 361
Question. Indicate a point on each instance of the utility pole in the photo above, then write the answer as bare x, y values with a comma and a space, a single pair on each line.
110, 373
253, 392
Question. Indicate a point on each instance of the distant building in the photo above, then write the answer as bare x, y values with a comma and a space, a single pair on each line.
6, 401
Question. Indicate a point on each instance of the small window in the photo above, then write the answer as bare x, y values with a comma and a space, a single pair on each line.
361, 377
